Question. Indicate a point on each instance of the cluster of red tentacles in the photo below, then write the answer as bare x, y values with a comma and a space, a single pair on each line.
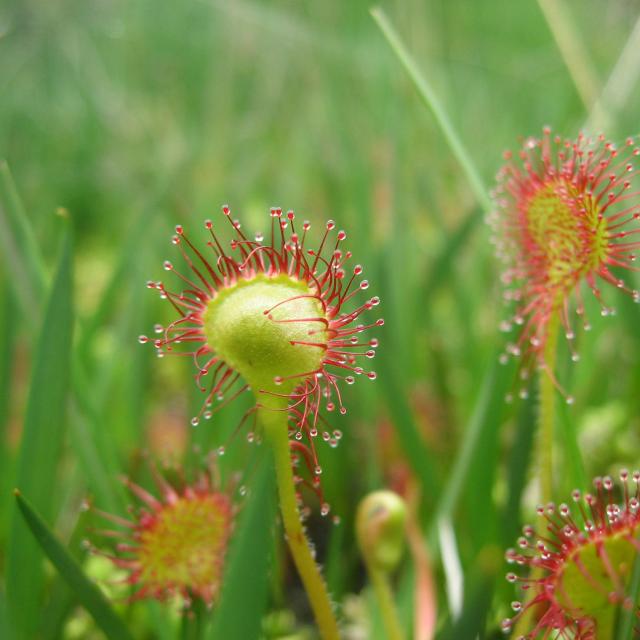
323, 270
568, 553
565, 213
174, 545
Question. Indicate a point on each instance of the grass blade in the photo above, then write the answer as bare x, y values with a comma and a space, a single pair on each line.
41, 443
428, 95
477, 599
445, 259
61, 600
5, 630
413, 447
128, 263
392, 381
244, 596
162, 627
7, 345
628, 616
620, 84
487, 413
8, 332
87, 593
22, 256
28, 284
574, 464
517, 471
574, 53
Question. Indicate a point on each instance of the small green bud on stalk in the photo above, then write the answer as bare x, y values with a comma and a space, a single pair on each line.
380, 527
381, 531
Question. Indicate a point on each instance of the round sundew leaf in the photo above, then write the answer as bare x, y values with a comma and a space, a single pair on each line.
592, 581
563, 216
263, 328
277, 318
568, 251
185, 543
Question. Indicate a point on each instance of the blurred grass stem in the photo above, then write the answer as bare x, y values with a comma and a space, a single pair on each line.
384, 598
274, 421
546, 414
431, 101
19, 247
544, 452
544, 446
627, 616
574, 53
619, 85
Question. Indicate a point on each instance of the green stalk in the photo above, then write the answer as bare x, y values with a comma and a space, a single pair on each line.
384, 597
544, 453
546, 414
275, 424
193, 624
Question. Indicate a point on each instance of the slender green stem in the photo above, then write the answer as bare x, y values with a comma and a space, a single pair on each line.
546, 414
384, 597
432, 102
275, 430
545, 434
193, 622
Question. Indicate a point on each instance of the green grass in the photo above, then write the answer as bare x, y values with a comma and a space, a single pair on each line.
132, 117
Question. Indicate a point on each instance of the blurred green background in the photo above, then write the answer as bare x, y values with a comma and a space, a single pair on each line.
135, 116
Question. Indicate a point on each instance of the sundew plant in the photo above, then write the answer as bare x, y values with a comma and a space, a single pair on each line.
320, 320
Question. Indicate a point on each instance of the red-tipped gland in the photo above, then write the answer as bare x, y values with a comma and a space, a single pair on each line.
580, 568
272, 316
174, 545
565, 215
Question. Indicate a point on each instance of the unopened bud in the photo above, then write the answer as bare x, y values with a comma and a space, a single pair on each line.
380, 528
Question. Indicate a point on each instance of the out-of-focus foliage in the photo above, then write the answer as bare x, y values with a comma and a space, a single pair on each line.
135, 116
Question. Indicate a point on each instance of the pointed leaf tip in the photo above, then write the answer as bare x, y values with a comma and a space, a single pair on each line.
87, 593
